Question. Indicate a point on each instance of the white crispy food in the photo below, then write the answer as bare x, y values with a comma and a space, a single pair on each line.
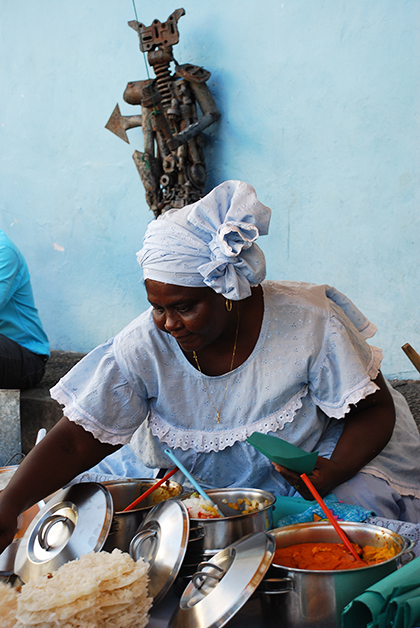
8, 605
107, 590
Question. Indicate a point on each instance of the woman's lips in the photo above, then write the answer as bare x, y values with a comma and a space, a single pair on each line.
181, 338
187, 342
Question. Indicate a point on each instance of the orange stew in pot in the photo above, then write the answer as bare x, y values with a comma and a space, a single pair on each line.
329, 556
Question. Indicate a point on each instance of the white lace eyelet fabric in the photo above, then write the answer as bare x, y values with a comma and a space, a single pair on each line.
310, 363
217, 440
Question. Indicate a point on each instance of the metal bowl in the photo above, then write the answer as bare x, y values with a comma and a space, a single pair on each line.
123, 493
208, 536
213, 535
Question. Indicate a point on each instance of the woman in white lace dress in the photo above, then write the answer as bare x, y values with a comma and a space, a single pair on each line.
220, 354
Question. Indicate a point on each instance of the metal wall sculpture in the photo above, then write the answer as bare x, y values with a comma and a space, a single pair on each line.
171, 166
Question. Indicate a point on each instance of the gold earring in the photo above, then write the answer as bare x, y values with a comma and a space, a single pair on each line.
228, 304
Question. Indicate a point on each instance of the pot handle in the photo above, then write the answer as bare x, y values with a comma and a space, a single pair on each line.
46, 527
138, 540
274, 586
197, 532
406, 552
200, 576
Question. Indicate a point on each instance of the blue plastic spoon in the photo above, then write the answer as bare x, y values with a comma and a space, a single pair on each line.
188, 475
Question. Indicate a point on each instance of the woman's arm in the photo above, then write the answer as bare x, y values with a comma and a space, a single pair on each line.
368, 428
66, 451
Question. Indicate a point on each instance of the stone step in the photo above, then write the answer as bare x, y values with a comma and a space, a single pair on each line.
10, 436
37, 409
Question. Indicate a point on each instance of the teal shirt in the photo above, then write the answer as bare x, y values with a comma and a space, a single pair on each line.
19, 318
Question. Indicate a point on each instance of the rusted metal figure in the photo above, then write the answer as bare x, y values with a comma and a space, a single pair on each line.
171, 166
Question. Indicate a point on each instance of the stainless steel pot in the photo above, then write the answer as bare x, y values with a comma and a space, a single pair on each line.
208, 536
124, 492
303, 598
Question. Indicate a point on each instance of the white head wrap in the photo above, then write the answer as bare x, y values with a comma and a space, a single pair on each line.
210, 243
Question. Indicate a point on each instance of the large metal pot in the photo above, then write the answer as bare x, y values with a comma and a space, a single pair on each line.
123, 493
303, 598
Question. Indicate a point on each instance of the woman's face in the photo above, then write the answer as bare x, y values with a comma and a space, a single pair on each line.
195, 317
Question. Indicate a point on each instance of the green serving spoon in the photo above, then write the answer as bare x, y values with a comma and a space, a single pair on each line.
281, 452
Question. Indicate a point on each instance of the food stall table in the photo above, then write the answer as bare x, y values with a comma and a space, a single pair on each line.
250, 614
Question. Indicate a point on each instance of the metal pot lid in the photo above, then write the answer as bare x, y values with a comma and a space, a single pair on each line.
162, 541
222, 585
74, 521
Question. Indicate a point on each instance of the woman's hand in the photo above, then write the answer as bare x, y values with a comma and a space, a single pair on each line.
367, 429
323, 477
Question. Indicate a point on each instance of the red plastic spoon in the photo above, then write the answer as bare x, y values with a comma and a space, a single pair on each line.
330, 517
150, 490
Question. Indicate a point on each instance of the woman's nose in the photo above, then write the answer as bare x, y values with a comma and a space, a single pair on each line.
172, 321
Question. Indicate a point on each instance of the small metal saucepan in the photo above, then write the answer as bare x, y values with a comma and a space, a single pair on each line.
209, 536
303, 598
123, 493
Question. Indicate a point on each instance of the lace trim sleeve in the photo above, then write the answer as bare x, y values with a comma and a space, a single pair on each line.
339, 410
217, 440
348, 370
96, 395
76, 414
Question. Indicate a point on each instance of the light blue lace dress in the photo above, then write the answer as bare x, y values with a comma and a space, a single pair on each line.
310, 363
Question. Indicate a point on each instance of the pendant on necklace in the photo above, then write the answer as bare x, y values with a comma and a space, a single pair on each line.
218, 411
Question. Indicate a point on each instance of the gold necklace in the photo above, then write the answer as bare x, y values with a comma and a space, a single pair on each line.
218, 411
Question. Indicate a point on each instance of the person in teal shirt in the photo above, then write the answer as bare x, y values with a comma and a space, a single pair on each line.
24, 346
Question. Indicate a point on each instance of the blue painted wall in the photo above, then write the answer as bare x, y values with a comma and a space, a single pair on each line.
319, 102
